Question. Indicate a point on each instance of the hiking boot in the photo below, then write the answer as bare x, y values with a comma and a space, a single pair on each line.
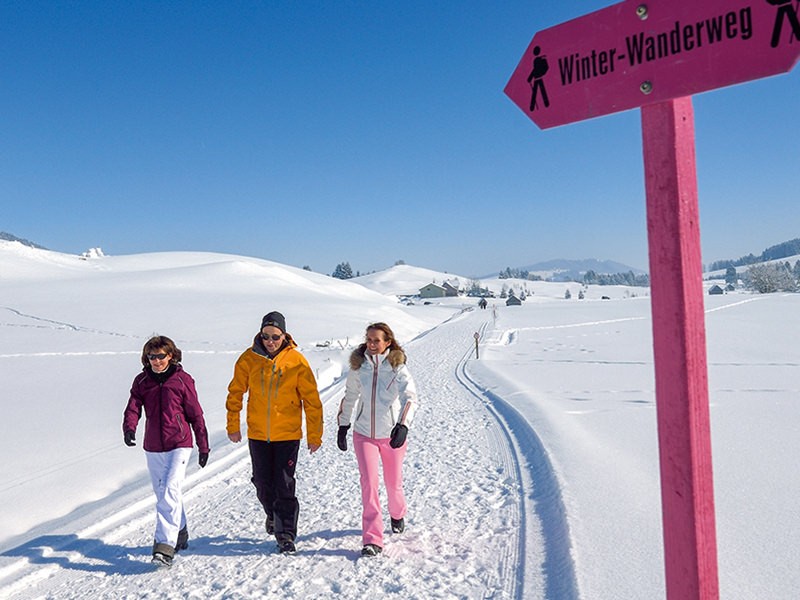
371, 550
286, 547
398, 525
183, 540
269, 525
161, 560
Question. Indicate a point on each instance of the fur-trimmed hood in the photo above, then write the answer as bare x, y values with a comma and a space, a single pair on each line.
396, 357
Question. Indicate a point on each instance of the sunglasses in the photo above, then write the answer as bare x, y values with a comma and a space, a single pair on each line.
161, 356
274, 337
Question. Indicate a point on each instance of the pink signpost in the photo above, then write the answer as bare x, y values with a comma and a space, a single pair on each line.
655, 55
636, 53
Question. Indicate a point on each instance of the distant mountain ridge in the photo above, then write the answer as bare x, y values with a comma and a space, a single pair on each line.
562, 269
581, 266
12, 238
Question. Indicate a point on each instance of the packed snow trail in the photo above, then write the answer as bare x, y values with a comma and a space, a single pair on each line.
544, 524
472, 530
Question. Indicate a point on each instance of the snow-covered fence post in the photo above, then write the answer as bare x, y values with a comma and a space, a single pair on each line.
477, 336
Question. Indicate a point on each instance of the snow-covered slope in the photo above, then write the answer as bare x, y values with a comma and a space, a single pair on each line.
532, 470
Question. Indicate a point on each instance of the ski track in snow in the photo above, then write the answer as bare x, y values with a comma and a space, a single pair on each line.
501, 501
543, 520
37, 322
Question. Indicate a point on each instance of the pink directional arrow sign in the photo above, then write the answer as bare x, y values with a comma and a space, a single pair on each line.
642, 52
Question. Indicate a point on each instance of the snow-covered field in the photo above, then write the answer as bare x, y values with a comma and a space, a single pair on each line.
532, 470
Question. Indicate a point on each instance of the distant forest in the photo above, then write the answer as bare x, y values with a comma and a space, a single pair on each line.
790, 248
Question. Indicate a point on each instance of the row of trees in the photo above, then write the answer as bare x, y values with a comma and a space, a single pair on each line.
590, 277
769, 278
790, 248
629, 278
509, 273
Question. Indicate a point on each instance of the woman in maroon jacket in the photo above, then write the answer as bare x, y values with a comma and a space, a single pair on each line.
169, 398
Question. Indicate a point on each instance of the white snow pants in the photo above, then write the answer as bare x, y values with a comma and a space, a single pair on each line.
167, 471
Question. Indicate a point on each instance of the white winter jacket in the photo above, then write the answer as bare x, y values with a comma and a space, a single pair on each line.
381, 391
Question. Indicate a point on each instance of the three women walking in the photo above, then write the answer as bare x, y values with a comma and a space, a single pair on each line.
379, 403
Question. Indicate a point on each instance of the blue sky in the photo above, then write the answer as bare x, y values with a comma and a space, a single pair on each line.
312, 133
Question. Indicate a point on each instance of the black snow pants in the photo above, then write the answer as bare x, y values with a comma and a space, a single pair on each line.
274, 464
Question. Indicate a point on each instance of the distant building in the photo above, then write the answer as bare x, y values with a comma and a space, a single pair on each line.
513, 301
432, 291
449, 290
715, 290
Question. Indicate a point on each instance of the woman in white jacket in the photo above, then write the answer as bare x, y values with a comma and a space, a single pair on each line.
381, 392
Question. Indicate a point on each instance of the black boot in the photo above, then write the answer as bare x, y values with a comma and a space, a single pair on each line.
183, 540
163, 555
398, 525
371, 550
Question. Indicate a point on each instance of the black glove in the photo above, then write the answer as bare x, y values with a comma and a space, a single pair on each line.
399, 433
129, 437
341, 438
202, 459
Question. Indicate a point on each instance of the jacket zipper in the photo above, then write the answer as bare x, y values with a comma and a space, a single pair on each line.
273, 391
161, 413
374, 397
266, 391
268, 388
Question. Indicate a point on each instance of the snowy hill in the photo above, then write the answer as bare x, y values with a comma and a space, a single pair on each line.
562, 269
8, 237
532, 471
571, 270
405, 280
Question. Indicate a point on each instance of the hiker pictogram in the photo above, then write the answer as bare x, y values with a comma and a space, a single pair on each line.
785, 12
540, 67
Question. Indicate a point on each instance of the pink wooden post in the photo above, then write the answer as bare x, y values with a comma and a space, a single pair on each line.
644, 54
687, 494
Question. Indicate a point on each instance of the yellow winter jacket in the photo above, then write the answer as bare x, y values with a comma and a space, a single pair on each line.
278, 391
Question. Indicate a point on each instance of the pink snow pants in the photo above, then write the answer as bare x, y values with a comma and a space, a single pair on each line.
369, 453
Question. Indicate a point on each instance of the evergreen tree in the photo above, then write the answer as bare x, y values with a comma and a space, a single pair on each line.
343, 271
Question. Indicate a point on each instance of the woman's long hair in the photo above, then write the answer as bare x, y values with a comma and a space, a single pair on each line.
388, 334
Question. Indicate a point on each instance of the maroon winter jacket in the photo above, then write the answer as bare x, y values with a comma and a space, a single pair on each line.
170, 407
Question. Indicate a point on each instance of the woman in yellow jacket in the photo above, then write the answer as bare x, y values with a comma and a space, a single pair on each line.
280, 387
